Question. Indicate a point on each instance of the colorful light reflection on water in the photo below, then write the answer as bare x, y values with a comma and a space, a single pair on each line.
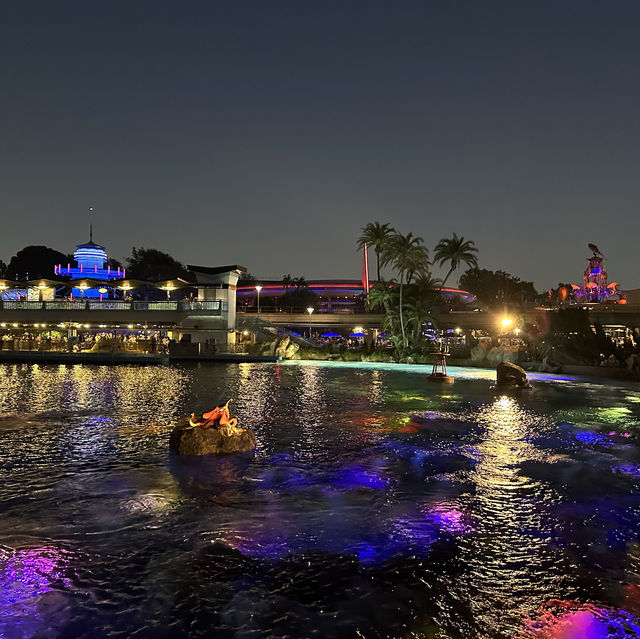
376, 504
29, 573
30, 581
572, 620
450, 519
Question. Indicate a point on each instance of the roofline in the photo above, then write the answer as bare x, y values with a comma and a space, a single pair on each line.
215, 270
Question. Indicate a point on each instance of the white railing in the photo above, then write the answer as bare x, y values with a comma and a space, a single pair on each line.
155, 306
11, 305
111, 305
65, 305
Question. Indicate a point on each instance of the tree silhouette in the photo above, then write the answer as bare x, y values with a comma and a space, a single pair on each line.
407, 256
34, 262
154, 265
456, 251
498, 288
378, 236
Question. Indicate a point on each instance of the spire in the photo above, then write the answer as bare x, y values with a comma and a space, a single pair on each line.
90, 226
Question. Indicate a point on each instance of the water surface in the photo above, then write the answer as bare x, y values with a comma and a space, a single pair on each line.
376, 505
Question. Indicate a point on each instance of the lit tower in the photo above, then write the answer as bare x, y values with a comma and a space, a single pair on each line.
91, 263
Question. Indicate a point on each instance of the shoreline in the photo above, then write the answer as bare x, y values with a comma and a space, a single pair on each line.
108, 359
150, 359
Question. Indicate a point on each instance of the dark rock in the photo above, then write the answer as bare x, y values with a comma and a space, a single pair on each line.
208, 441
511, 375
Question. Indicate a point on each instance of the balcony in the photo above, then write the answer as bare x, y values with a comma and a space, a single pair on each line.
214, 306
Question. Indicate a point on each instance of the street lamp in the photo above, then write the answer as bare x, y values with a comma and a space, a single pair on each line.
258, 289
309, 310
168, 289
125, 287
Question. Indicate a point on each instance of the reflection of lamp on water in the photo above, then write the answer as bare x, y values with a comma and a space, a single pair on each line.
258, 289
309, 310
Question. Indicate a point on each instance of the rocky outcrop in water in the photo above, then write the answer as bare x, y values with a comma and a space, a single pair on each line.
209, 441
283, 347
286, 348
510, 375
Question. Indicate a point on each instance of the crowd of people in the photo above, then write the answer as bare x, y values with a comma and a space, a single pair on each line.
146, 342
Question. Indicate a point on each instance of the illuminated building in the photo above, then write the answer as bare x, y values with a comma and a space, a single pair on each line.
91, 263
595, 288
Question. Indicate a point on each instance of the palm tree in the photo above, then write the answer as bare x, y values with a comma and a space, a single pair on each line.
376, 235
422, 297
287, 281
407, 256
379, 295
455, 250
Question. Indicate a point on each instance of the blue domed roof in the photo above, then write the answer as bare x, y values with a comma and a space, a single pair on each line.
90, 245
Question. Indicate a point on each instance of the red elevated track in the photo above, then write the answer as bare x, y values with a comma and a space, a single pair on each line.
342, 292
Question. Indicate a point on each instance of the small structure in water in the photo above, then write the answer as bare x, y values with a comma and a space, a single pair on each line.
215, 433
439, 370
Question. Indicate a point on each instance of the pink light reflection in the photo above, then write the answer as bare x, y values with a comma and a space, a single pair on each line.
449, 518
28, 573
572, 620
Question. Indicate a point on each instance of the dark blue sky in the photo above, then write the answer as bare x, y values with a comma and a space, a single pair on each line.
267, 133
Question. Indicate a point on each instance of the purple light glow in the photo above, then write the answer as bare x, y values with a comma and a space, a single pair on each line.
572, 620
365, 552
356, 477
589, 437
415, 532
29, 573
450, 519
627, 469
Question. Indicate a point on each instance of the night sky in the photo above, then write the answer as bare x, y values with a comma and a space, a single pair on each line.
267, 133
